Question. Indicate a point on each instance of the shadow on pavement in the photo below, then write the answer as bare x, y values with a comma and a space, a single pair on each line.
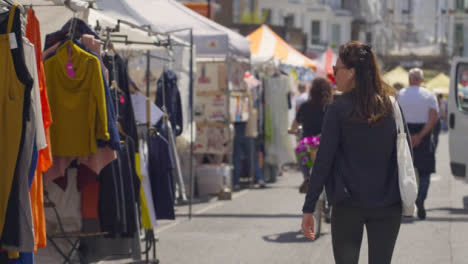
201, 200
455, 211
408, 220
245, 216
289, 237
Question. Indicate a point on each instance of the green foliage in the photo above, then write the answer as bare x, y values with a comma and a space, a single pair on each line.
252, 18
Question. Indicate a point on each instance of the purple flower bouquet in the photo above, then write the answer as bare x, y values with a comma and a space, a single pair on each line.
306, 150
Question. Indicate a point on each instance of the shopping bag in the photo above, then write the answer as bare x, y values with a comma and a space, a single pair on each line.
406, 172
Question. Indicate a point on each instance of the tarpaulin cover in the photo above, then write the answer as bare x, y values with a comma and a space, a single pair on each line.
266, 45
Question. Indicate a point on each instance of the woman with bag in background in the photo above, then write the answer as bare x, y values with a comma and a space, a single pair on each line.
310, 116
358, 163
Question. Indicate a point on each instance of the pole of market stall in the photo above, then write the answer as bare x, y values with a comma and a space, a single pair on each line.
191, 124
190, 30
148, 68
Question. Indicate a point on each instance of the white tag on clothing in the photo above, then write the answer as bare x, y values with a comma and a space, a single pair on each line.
13, 43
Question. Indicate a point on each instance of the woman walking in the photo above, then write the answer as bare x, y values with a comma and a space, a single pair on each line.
357, 162
310, 116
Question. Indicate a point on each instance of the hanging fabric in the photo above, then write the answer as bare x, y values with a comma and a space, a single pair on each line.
161, 166
118, 194
16, 94
80, 27
115, 64
170, 98
45, 155
75, 96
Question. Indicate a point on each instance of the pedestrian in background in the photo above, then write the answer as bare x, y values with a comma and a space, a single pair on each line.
310, 116
357, 163
398, 86
421, 111
302, 97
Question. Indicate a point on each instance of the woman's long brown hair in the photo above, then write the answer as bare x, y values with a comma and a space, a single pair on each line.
372, 95
320, 94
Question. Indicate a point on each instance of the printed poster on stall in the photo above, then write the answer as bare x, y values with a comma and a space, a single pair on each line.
236, 71
210, 108
211, 139
211, 77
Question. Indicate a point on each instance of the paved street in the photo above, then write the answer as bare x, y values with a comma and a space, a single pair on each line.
263, 226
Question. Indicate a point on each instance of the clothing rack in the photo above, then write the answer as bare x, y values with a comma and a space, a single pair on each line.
150, 239
149, 236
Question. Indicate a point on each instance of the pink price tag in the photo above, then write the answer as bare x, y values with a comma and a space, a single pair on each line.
70, 70
122, 99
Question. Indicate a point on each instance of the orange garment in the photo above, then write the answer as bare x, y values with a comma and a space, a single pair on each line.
33, 33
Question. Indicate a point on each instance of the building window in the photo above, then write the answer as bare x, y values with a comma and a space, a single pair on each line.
289, 21
266, 15
459, 40
236, 12
315, 32
336, 4
369, 37
335, 35
461, 5
407, 6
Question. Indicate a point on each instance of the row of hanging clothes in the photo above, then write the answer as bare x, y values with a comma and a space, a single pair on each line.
69, 138
25, 119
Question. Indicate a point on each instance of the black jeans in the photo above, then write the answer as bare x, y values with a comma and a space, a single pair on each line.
382, 226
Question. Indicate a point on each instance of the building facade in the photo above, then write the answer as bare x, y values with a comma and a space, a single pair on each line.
457, 44
324, 25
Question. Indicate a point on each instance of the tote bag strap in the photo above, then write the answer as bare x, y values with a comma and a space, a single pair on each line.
398, 117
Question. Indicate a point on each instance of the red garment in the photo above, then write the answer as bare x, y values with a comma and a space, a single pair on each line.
89, 187
33, 33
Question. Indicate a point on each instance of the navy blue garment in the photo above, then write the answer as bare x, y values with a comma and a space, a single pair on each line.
114, 138
118, 71
119, 193
424, 154
160, 168
4, 258
171, 100
80, 28
25, 258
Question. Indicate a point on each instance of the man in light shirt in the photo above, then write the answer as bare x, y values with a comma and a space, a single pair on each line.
421, 111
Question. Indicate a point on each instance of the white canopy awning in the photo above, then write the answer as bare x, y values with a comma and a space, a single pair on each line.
210, 38
128, 33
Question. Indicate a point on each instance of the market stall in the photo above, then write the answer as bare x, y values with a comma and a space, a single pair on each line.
397, 75
278, 65
116, 154
222, 58
439, 84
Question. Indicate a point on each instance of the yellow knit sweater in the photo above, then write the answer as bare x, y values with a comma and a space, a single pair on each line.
77, 104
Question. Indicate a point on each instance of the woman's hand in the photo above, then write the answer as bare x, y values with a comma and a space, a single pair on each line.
308, 226
292, 131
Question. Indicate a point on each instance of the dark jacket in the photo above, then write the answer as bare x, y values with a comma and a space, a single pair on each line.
424, 154
170, 97
356, 162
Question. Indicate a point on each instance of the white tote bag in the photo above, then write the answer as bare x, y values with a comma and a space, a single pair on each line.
406, 173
